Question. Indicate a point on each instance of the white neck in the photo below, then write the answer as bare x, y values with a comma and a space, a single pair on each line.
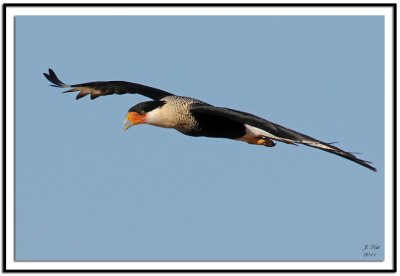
162, 117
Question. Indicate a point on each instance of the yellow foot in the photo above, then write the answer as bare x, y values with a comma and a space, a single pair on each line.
262, 142
266, 142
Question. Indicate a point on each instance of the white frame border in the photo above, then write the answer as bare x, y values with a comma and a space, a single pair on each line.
13, 11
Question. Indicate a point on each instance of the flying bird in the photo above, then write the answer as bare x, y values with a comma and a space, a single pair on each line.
196, 118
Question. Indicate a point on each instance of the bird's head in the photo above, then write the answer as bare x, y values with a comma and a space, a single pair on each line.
139, 114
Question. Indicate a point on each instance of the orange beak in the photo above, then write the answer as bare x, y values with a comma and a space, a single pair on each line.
133, 118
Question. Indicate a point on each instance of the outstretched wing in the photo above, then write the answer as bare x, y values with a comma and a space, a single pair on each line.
277, 132
103, 88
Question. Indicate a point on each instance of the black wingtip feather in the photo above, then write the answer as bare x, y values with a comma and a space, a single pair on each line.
351, 157
80, 95
47, 76
365, 164
94, 96
52, 77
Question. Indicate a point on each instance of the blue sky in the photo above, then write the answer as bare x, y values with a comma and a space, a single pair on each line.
87, 190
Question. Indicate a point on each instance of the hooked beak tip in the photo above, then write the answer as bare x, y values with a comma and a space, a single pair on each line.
127, 124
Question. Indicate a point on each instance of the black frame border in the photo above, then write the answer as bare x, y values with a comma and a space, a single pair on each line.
394, 11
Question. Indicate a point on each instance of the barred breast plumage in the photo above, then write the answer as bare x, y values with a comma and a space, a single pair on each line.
176, 114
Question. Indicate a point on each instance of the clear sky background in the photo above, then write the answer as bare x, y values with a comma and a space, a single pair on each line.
87, 190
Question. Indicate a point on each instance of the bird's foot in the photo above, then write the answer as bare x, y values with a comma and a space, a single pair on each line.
266, 142
262, 141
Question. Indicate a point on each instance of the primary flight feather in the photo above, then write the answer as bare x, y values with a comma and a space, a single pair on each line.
196, 118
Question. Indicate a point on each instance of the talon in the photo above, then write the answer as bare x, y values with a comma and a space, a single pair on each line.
265, 142
269, 143
261, 141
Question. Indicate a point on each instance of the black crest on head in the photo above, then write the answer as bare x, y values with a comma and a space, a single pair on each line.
145, 107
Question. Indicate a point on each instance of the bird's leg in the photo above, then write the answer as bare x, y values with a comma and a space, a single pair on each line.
266, 142
262, 141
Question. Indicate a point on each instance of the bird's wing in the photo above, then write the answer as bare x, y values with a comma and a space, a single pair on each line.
103, 88
276, 132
